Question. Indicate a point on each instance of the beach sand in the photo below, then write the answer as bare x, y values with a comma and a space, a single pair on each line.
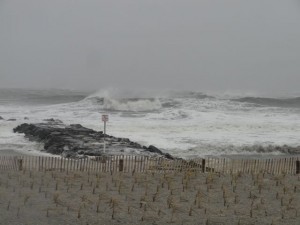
53, 197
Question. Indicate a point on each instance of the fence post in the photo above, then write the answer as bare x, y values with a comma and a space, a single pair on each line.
121, 165
20, 164
203, 165
297, 167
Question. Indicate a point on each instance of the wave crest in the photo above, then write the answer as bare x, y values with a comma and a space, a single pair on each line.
133, 105
118, 100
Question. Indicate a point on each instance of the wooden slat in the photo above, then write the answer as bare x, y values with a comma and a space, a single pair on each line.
289, 165
275, 166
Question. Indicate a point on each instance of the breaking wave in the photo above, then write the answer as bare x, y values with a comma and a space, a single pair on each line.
113, 100
132, 105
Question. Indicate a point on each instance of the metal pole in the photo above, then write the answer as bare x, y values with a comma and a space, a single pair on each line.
104, 150
104, 119
104, 147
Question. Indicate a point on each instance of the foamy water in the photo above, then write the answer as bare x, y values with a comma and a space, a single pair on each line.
183, 124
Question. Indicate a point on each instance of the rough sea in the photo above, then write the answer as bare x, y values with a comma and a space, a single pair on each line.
184, 124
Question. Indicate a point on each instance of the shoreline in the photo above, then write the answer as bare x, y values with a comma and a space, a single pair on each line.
35, 153
12, 152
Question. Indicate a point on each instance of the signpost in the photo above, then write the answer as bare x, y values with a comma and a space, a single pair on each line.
104, 119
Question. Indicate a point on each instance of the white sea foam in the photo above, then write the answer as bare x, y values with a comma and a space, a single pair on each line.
183, 126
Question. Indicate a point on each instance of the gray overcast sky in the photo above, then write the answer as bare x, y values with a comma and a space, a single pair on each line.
217, 45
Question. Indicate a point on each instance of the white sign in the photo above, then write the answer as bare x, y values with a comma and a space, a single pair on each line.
104, 118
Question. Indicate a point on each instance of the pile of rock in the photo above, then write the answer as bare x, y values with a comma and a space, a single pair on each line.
76, 141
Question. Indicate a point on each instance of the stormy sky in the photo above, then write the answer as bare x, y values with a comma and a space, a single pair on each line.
216, 45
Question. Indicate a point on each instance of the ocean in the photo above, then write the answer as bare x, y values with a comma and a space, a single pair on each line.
184, 124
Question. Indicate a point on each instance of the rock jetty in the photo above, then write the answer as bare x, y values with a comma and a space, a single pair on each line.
76, 141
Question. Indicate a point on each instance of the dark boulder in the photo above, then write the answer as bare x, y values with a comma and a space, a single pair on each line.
152, 148
53, 120
168, 156
75, 141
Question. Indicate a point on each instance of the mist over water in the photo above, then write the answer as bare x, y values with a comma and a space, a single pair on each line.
184, 124
38, 97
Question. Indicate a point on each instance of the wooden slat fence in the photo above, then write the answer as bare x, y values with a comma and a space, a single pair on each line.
129, 164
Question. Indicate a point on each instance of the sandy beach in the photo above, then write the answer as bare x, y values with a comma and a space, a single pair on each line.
53, 197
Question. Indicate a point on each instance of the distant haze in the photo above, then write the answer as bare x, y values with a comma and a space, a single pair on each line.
220, 45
